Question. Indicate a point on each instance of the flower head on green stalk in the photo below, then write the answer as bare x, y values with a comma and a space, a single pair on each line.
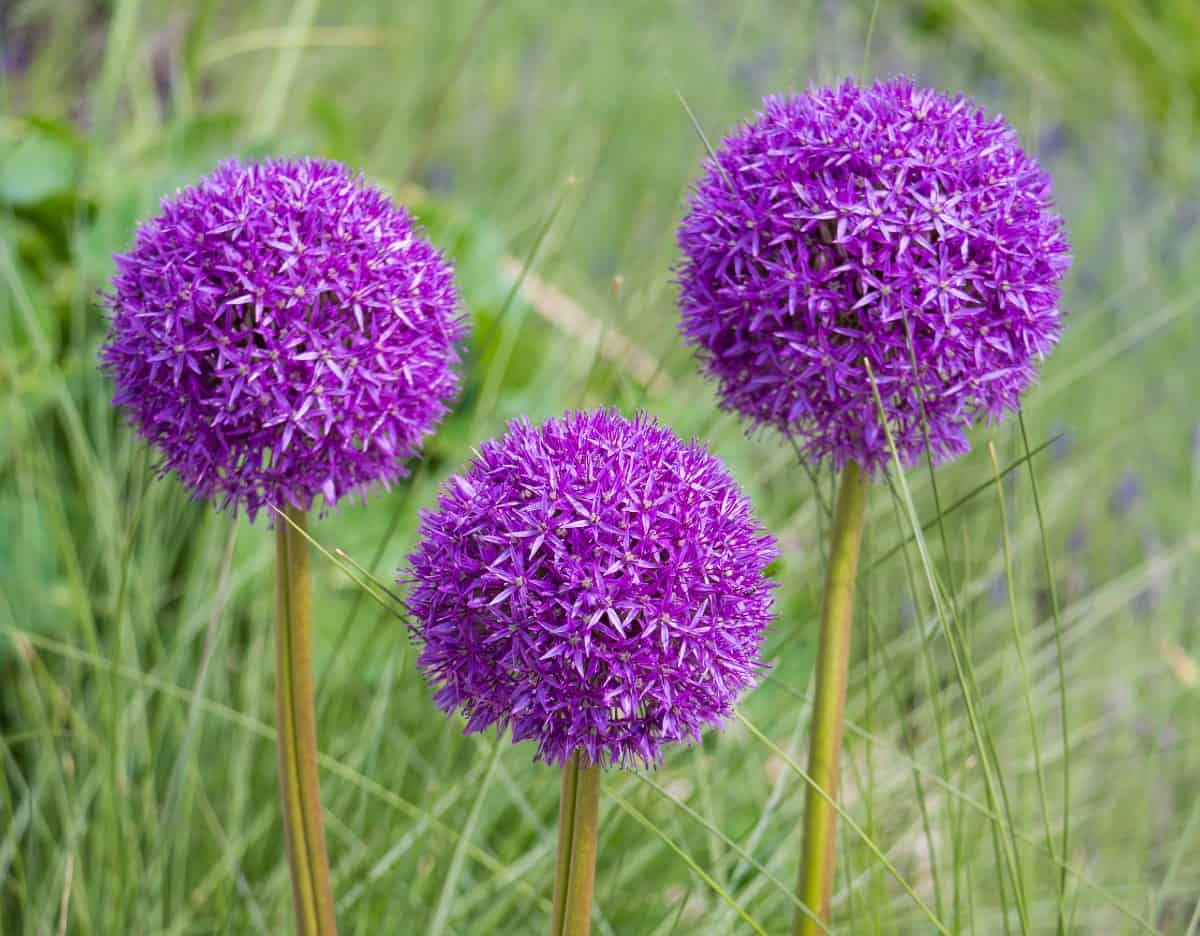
888, 223
594, 583
281, 330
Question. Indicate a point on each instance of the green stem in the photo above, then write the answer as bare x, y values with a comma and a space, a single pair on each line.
298, 785
833, 659
566, 827
575, 868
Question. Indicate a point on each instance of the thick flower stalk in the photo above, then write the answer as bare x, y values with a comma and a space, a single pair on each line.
597, 586
859, 264
279, 331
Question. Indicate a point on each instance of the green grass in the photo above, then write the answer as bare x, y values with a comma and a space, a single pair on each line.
546, 147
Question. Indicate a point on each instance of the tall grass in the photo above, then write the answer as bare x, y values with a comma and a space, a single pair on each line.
137, 786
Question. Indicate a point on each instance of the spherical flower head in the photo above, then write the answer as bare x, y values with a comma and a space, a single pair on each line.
888, 224
594, 583
281, 329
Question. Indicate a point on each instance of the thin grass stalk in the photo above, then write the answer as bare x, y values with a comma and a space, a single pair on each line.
1064, 722
1019, 643
963, 671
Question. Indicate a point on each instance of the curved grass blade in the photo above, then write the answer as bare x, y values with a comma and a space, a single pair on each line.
850, 823
785, 889
1065, 848
644, 821
445, 902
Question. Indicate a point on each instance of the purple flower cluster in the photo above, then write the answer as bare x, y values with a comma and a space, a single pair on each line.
281, 330
594, 583
888, 223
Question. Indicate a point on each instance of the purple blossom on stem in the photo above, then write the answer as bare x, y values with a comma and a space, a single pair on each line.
594, 583
281, 330
888, 223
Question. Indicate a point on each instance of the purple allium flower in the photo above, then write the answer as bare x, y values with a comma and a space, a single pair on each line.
281, 329
594, 583
839, 221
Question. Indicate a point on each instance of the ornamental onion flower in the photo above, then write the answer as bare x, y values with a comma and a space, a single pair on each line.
888, 223
597, 586
281, 330
866, 267
594, 583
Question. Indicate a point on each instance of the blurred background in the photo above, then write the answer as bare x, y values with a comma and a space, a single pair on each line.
547, 147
